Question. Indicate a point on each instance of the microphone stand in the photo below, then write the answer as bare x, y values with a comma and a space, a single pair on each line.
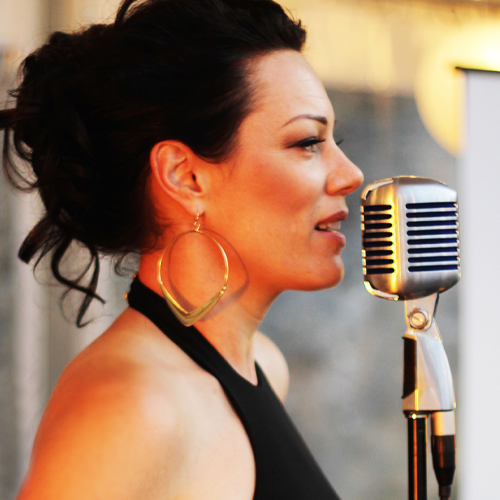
427, 391
417, 456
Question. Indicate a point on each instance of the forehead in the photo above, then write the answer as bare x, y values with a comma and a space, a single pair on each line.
286, 86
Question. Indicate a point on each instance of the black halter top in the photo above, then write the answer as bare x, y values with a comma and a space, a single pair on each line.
285, 468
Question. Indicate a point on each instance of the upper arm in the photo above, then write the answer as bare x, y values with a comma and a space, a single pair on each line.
102, 440
273, 363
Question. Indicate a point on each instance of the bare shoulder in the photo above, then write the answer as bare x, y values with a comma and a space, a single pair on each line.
112, 429
273, 363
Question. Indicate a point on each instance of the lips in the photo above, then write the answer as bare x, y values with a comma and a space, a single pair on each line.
331, 223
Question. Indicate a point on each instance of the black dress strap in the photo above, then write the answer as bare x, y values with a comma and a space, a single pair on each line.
285, 469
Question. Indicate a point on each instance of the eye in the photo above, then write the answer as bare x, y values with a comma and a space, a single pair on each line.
309, 144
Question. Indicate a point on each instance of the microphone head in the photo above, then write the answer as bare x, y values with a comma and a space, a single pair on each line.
410, 237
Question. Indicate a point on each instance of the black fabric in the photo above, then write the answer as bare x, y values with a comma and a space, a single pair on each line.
285, 468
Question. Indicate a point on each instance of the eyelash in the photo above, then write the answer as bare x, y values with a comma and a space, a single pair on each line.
312, 141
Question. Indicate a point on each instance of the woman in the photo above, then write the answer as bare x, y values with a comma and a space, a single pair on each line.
195, 133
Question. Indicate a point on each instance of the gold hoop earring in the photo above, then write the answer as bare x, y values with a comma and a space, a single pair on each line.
185, 317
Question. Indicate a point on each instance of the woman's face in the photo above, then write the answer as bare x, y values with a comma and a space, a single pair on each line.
280, 199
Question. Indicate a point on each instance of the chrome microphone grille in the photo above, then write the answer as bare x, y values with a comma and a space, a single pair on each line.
432, 230
378, 239
410, 237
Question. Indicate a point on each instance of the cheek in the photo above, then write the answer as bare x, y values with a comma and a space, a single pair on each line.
278, 189
266, 209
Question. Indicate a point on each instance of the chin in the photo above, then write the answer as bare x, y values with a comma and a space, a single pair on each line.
333, 282
328, 278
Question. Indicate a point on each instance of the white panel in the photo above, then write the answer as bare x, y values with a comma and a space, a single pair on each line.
478, 435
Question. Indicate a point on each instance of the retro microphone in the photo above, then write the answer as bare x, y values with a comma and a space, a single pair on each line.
411, 252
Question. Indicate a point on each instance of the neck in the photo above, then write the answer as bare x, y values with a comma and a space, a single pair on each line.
230, 326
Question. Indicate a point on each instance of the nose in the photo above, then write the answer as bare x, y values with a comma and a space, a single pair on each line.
344, 176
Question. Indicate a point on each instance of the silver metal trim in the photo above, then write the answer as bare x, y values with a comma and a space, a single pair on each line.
443, 423
378, 293
434, 388
374, 185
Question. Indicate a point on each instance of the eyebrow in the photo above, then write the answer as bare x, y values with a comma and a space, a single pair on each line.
321, 119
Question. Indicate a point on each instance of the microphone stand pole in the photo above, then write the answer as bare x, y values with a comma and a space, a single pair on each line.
427, 391
417, 456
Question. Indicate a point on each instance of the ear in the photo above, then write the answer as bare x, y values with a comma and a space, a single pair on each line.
178, 172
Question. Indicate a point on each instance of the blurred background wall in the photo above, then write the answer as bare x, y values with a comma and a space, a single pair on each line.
343, 346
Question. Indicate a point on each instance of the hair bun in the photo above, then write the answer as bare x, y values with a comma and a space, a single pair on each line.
59, 38
92, 104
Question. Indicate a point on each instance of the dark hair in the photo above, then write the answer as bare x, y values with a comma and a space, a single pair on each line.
92, 104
